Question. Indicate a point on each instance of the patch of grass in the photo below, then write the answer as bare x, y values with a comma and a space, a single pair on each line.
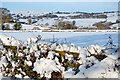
13, 48
62, 53
101, 57
73, 53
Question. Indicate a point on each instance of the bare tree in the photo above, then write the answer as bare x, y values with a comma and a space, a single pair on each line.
29, 21
4, 16
7, 26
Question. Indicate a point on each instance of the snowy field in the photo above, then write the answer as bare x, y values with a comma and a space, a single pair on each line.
42, 58
82, 39
49, 22
88, 22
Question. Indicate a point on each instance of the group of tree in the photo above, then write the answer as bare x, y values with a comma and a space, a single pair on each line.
6, 27
16, 26
29, 21
103, 25
4, 17
66, 25
89, 15
47, 16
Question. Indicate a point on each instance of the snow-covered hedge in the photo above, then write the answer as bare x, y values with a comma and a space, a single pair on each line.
40, 59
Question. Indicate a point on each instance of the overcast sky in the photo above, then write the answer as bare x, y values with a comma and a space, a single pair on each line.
60, 0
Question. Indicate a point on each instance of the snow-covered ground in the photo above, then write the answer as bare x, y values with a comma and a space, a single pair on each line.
41, 59
30, 27
49, 22
115, 26
78, 38
79, 22
95, 58
66, 15
27, 27
85, 22
30, 13
112, 17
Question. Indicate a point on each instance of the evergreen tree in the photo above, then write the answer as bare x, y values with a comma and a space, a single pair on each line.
17, 26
